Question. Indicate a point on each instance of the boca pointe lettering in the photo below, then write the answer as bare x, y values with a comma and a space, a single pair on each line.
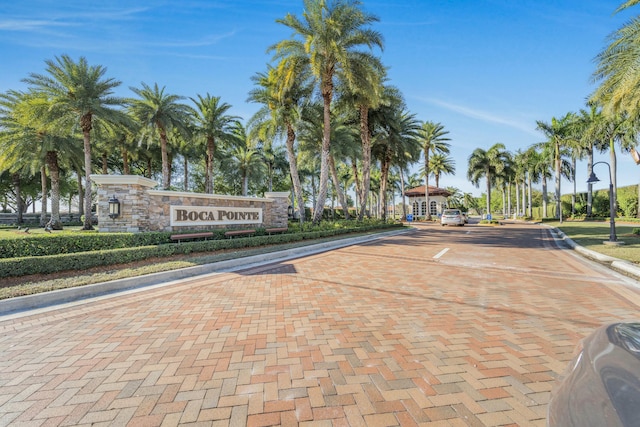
196, 215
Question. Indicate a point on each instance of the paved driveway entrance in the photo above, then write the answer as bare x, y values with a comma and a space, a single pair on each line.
465, 326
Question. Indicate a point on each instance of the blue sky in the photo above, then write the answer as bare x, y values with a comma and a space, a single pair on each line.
485, 69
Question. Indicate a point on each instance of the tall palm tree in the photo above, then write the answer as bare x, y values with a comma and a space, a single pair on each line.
612, 129
434, 139
26, 141
560, 136
396, 141
366, 92
486, 164
79, 95
503, 182
344, 142
212, 123
283, 91
245, 157
161, 112
588, 129
328, 38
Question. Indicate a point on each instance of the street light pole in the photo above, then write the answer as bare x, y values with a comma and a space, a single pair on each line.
612, 205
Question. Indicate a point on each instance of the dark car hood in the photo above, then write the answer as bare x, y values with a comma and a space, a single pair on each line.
602, 385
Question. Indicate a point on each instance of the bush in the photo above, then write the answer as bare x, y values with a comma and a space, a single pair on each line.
53, 244
82, 260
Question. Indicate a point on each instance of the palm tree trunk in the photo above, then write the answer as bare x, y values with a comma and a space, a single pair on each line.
504, 202
590, 185
404, 204
105, 163
186, 174
614, 172
524, 196
488, 194
365, 138
54, 171
86, 136
336, 184
293, 170
384, 175
43, 190
327, 92
80, 194
359, 201
575, 191
211, 148
166, 183
558, 178
517, 199
509, 199
18, 192
545, 197
529, 200
125, 160
426, 184
314, 198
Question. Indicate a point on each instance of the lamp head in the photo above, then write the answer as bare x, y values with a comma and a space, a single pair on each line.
114, 207
592, 178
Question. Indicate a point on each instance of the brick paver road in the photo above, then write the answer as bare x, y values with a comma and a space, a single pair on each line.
464, 326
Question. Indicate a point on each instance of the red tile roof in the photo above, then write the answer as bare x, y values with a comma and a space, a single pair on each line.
433, 191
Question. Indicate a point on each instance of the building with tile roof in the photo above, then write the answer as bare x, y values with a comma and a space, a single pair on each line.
417, 201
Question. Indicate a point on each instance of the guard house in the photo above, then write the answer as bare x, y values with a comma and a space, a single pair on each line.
417, 201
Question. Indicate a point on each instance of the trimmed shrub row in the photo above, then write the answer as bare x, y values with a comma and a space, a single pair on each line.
21, 266
52, 244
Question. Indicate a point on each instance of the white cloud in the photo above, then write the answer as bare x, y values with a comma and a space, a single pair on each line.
482, 115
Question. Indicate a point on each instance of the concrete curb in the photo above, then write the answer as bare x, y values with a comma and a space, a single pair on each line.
61, 296
627, 267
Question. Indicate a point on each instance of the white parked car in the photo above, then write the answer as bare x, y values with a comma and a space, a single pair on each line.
452, 217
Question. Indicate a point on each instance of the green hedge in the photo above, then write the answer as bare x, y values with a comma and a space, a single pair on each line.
21, 266
53, 244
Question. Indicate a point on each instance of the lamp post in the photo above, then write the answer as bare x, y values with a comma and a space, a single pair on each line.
613, 239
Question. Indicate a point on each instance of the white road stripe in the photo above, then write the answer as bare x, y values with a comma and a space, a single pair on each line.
442, 252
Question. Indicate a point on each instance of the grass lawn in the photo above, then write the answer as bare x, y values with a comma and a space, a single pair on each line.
590, 235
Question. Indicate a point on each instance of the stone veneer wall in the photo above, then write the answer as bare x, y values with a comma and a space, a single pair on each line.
144, 209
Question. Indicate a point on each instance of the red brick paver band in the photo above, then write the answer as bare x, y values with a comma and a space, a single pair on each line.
464, 326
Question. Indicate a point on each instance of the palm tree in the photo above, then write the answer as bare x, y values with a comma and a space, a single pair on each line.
327, 38
617, 69
79, 95
611, 129
396, 142
486, 164
441, 164
559, 137
503, 181
433, 138
211, 123
588, 128
366, 92
159, 111
282, 91
27, 143
344, 142
245, 157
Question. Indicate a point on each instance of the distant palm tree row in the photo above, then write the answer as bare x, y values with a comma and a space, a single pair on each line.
610, 120
325, 94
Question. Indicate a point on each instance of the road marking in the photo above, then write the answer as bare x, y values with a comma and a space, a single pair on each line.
442, 252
